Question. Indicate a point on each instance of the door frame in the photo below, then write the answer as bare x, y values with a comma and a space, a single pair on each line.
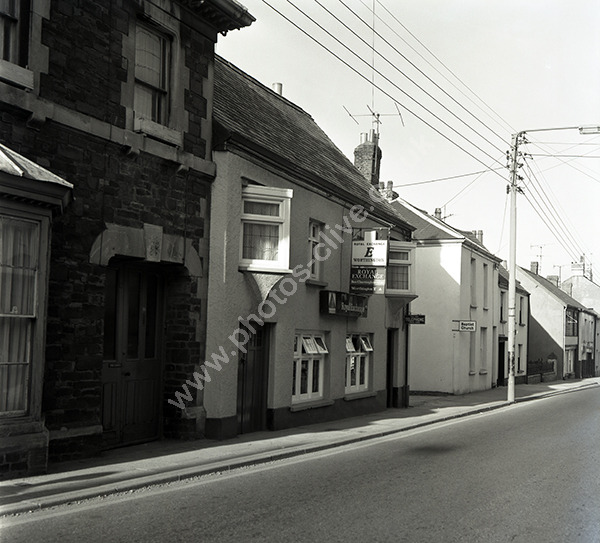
123, 271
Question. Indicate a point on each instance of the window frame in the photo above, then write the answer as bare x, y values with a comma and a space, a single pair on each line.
15, 70
164, 90
301, 339
395, 246
316, 267
166, 25
34, 374
267, 195
362, 363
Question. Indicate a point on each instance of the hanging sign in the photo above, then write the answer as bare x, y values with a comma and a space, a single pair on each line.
369, 253
367, 280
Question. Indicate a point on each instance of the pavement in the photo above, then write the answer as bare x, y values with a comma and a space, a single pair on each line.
160, 462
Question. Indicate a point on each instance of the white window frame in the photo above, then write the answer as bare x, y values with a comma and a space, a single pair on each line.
316, 344
316, 268
359, 355
270, 195
400, 246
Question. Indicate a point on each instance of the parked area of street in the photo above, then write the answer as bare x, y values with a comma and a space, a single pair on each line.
524, 472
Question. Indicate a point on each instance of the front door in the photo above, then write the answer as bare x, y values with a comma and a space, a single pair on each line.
132, 367
253, 371
501, 358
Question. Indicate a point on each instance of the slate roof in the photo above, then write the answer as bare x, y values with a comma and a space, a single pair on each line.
429, 227
15, 164
267, 124
559, 293
24, 180
503, 279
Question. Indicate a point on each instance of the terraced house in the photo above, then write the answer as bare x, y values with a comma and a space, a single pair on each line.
309, 330
120, 108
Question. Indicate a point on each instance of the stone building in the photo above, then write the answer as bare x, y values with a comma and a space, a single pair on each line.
119, 106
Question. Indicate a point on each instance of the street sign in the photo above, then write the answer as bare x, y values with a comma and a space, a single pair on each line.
467, 326
414, 319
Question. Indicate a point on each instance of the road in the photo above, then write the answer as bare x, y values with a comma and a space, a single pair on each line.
526, 473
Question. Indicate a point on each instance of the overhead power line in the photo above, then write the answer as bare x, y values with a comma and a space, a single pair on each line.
355, 70
419, 70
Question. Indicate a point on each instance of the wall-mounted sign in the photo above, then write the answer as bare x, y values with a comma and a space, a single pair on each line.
343, 304
367, 280
369, 253
414, 319
466, 326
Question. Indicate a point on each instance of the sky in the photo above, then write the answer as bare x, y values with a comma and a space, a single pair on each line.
452, 81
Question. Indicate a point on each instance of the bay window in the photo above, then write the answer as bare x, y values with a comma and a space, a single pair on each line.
399, 270
265, 236
19, 271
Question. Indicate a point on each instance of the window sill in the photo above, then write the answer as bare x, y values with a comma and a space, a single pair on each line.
521, 324
310, 404
12, 73
158, 131
316, 283
359, 395
473, 306
472, 372
262, 269
483, 372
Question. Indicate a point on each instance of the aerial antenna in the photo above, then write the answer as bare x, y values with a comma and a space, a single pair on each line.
376, 116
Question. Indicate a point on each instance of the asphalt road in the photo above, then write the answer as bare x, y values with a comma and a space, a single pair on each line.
526, 473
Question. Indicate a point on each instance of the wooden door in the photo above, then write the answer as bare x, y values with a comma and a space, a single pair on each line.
132, 368
253, 373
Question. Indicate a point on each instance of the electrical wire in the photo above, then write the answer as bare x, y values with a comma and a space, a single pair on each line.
555, 230
378, 87
446, 178
444, 65
419, 70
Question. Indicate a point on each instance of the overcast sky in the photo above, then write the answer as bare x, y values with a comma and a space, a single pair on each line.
476, 72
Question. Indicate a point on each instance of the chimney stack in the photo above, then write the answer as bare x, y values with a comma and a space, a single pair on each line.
554, 280
367, 157
480, 236
535, 267
278, 88
438, 213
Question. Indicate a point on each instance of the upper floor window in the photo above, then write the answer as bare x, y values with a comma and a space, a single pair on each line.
485, 285
153, 94
502, 304
19, 266
521, 311
572, 323
265, 236
316, 265
473, 282
152, 72
400, 260
14, 42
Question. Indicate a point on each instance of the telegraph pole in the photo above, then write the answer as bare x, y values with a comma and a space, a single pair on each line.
512, 263
513, 188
